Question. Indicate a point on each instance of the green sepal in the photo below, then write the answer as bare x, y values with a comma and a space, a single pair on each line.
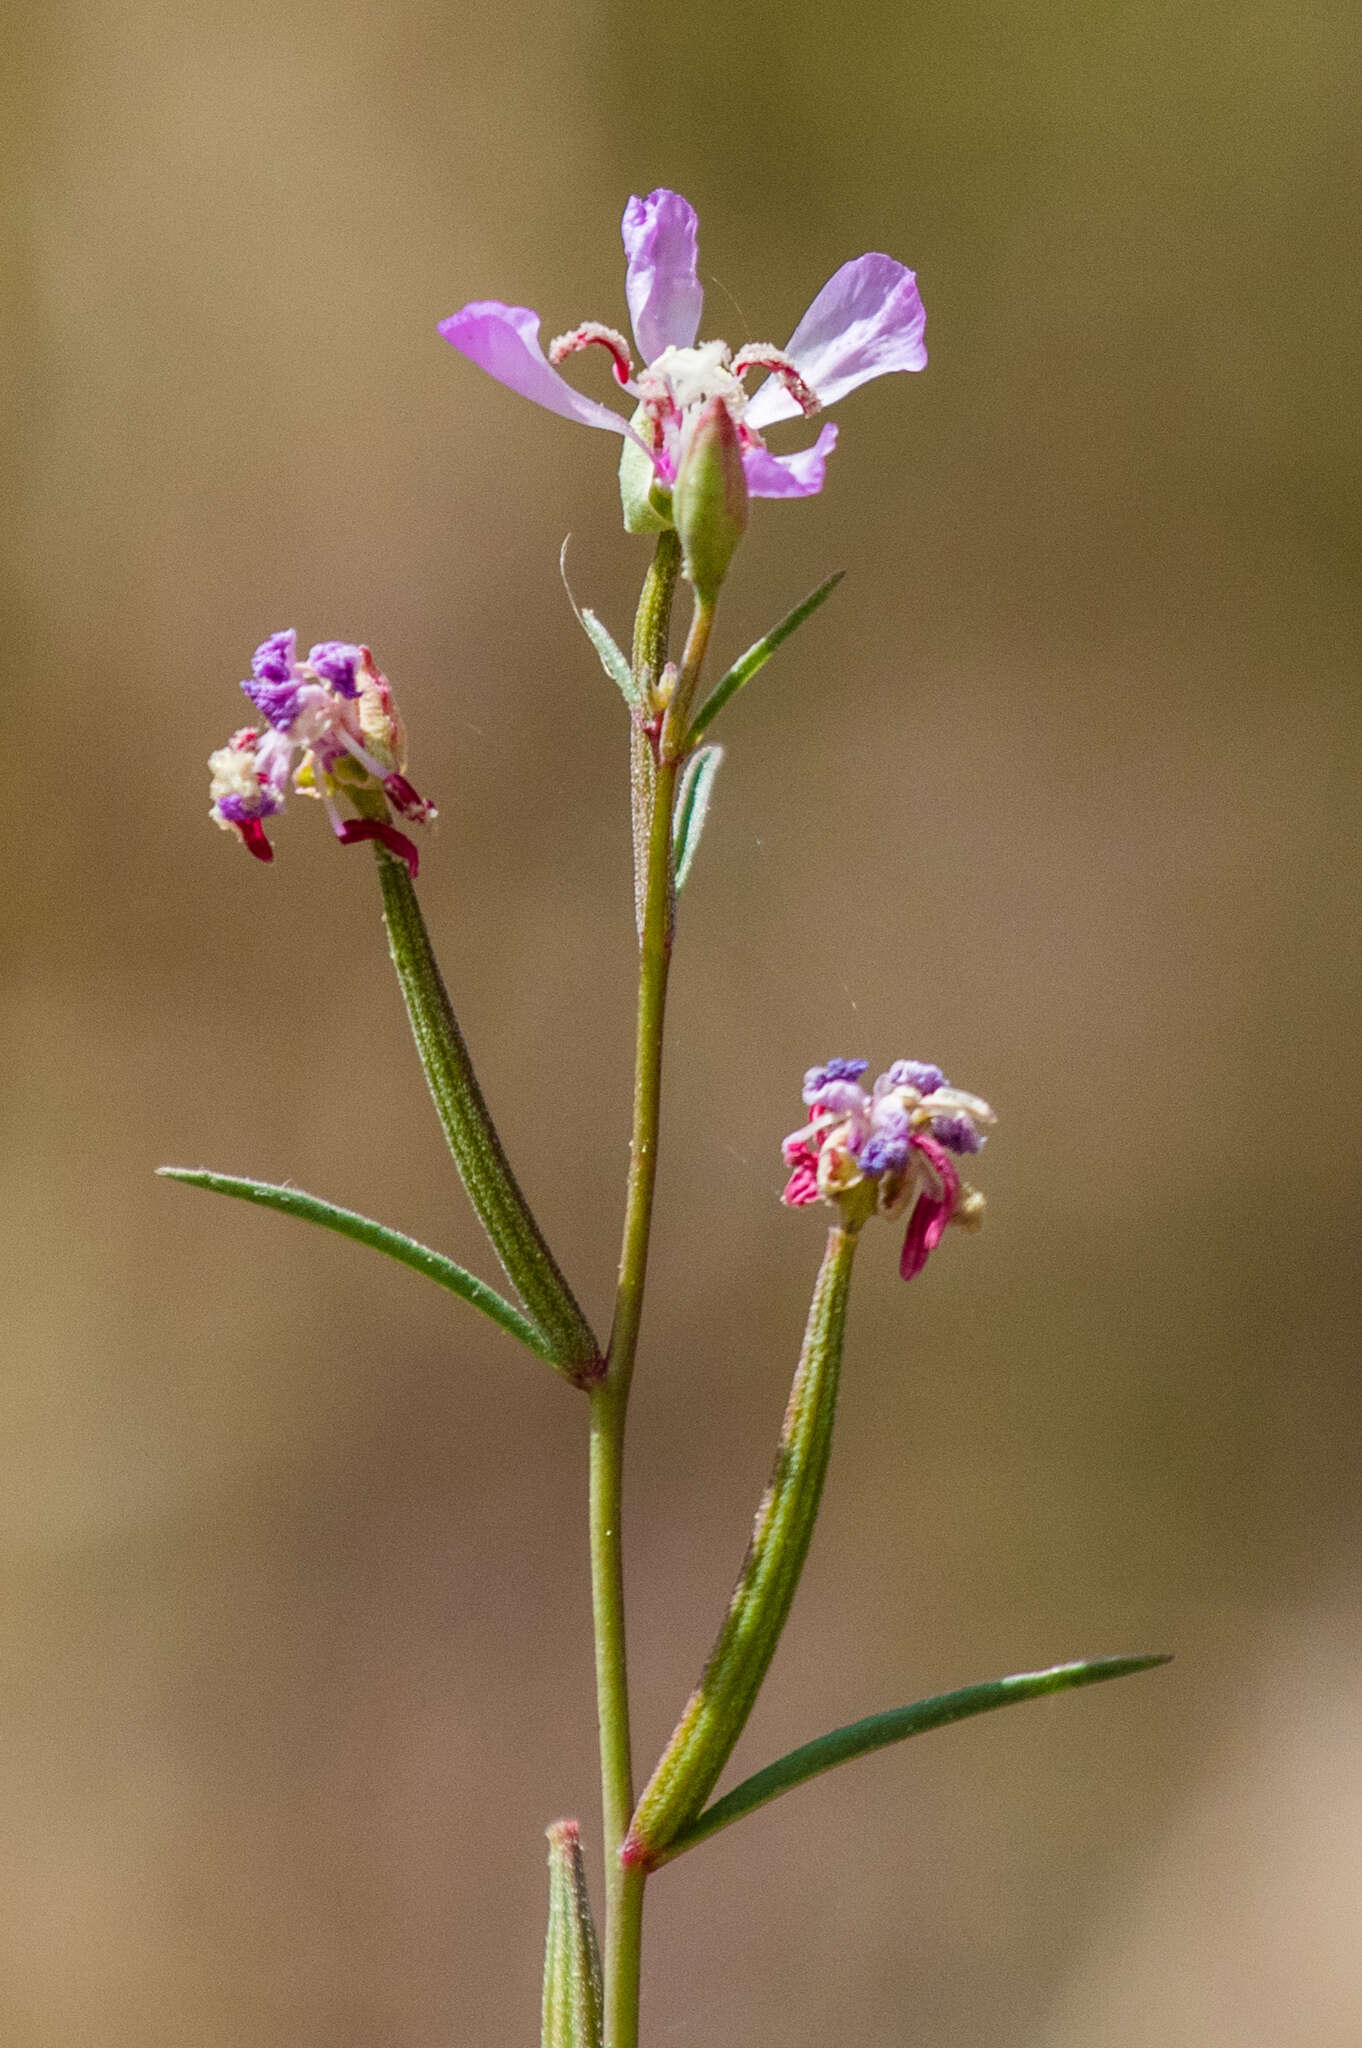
757, 656
878, 1731
647, 504
692, 806
717, 1710
378, 1236
573, 2002
612, 657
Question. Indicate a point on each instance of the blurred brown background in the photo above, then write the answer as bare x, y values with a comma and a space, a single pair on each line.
1061, 790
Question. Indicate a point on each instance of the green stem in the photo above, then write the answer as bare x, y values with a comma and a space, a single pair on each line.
483, 1166
675, 739
654, 785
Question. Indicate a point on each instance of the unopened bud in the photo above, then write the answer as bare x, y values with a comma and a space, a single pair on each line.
572, 1963
710, 498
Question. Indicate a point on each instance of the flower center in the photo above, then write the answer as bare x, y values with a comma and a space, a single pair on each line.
690, 377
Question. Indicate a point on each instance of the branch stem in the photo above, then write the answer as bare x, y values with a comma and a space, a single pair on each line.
655, 802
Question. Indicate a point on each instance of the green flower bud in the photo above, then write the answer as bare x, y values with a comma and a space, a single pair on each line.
572, 1963
710, 498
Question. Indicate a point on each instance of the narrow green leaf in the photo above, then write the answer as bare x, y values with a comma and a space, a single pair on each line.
879, 1730
572, 2011
692, 806
406, 1250
757, 656
717, 1710
612, 657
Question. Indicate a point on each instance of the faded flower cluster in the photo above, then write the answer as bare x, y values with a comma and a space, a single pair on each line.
889, 1151
330, 730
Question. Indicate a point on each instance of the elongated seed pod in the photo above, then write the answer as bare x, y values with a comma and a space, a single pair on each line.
718, 1709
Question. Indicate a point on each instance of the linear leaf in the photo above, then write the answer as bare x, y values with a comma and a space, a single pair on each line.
612, 657
757, 656
692, 806
406, 1250
879, 1730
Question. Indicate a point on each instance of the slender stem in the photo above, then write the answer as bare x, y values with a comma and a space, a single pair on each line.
655, 800
675, 740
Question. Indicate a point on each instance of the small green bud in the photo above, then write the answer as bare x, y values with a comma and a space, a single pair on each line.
572, 1963
647, 503
710, 498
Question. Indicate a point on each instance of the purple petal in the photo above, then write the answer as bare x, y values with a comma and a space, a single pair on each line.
789, 476
277, 703
867, 319
919, 1074
504, 341
834, 1070
836, 1098
275, 659
336, 662
665, 296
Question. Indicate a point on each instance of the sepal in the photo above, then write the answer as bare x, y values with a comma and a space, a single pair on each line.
646, 501
692, 807
611, 656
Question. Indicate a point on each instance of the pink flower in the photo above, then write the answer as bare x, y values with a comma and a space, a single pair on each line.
866, 321
888, 1151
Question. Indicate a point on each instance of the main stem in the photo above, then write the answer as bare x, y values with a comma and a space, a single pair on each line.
610, 1398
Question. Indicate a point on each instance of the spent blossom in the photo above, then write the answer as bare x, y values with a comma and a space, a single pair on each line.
890, 1150
329, 729
868, 319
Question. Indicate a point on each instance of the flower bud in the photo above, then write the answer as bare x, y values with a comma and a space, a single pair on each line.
572, 1964
710, 498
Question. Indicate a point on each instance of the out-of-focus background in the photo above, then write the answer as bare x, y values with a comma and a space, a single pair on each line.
1061, 790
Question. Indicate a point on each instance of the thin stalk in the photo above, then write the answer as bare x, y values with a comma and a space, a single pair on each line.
675, 740
654, 785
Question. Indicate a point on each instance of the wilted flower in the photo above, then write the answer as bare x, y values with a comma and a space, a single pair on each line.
889, 1150
335, 711
868, 319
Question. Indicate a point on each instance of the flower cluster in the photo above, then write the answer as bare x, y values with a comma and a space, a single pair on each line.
868, 319
334, 715
889, 1150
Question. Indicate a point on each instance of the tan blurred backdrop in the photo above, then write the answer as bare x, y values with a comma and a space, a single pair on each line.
1061, 790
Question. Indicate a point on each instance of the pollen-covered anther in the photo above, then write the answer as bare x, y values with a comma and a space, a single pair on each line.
759, 355
594, 333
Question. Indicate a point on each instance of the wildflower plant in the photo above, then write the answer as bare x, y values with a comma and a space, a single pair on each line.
693, 456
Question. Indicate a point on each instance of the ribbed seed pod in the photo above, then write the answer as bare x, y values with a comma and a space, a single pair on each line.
718, 1708
572, 1963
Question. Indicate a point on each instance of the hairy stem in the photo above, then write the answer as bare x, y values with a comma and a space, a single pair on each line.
654, 789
